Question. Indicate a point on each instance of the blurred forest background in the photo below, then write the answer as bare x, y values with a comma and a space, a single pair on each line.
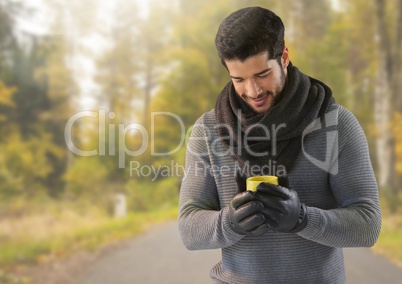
122, 60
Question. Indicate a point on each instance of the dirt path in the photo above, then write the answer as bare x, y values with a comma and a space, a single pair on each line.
158, 256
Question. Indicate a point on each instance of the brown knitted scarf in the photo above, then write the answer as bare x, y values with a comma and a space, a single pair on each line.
244, 131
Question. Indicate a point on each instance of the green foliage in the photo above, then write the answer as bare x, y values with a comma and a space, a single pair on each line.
389, 243
24, 250
145, 195
196, 77
25, 165
57, 78
30, 98
86, 177
7, 278
397, 131
361, 36
392, 199
6, 98
7, 37
390, 240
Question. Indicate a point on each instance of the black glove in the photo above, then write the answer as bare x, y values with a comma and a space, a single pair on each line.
244, 214
283, 210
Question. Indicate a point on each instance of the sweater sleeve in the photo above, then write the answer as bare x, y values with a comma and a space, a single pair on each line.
202, 223
357, 221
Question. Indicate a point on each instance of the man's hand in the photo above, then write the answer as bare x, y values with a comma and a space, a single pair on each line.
244, 214
283, 210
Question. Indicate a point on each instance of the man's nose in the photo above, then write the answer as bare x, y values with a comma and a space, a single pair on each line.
253, 90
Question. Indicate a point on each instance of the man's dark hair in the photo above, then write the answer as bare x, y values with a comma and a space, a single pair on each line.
248, 32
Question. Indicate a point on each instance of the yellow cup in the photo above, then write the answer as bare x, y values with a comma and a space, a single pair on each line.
253, 182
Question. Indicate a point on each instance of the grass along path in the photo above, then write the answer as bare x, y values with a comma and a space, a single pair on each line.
389, 243
51, 243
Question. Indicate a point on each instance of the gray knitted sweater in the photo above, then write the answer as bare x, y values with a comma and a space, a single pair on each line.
342, 200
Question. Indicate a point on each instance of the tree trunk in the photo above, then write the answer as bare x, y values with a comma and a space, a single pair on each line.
382, 119
382, 102
396, 85
148, 90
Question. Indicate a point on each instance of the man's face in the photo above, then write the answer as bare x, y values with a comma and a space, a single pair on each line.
257, 80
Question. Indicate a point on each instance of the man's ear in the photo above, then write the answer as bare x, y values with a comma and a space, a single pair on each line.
285, 57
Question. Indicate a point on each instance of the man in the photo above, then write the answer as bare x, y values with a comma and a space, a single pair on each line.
272, 119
